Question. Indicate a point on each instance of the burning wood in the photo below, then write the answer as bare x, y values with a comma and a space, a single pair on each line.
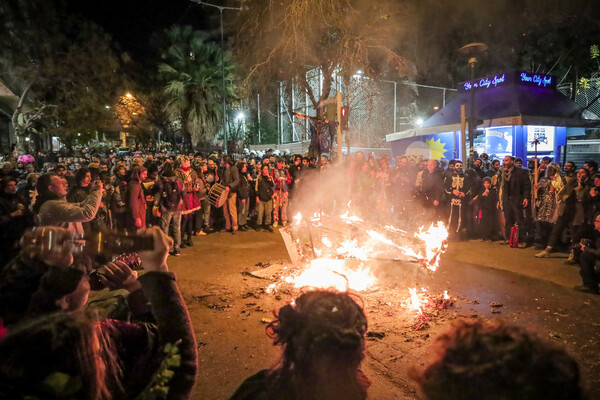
341, 255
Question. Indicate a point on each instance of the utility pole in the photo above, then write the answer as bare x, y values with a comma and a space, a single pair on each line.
224, 95
472, 50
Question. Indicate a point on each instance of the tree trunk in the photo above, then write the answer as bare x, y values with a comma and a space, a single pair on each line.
15, 118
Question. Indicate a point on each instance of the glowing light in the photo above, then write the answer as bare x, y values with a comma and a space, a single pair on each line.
128, 95
419, 121
327, 273
416, 301
297, 219
350, 248
435, 240
446, 297
379, 237
394, 229
240, 116
350, 218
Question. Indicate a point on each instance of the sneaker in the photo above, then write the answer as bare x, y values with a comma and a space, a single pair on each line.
234, 231
585, 289
175, 253
257, 228
522, 245
269, 228
201, 233
183, 245
504, 241
189, 242
543, 254
571, 257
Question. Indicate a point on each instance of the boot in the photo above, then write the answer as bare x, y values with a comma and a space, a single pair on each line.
189, 242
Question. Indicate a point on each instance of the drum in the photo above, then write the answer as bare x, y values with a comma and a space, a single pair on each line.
217, 195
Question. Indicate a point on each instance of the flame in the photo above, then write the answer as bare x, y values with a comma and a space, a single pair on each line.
350, 248
325, 240
350, 218
436, 241
416, 302
379, 237
297, 218
394, 229
330, 273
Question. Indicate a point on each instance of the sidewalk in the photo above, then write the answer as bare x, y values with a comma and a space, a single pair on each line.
522, 261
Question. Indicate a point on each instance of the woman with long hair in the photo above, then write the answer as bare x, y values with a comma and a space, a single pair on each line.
323, 339
136, 200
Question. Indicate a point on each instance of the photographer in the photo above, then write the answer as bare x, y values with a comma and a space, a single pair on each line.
100, 359
53, 208
589, 256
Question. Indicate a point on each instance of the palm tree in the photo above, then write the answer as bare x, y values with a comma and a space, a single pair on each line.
191, 72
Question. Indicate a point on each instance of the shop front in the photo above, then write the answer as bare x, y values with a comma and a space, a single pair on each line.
515, 110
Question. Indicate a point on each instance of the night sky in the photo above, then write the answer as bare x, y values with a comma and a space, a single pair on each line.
131, 23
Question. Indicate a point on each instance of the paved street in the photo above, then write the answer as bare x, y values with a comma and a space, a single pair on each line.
227, 307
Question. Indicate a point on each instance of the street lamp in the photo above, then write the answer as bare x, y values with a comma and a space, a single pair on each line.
221, 8
472, 50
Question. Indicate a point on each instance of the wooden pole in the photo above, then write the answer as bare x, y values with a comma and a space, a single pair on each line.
338, 105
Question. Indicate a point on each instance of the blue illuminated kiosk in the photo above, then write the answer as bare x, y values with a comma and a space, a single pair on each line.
516, 107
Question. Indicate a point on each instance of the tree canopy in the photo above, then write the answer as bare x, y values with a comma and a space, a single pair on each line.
191, 71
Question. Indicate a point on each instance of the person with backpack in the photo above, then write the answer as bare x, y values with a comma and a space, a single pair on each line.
170, 203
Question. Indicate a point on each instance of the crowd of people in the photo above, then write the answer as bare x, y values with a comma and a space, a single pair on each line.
549, 207
55, 345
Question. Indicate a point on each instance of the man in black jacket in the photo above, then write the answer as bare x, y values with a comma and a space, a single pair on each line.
587, 261
514, 191
432, 190
265, 187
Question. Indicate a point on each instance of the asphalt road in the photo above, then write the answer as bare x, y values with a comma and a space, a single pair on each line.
229, 308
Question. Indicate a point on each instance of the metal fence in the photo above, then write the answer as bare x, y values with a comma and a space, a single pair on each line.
586, 96
375, 108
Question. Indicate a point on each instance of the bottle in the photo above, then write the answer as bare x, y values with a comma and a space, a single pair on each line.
132, 260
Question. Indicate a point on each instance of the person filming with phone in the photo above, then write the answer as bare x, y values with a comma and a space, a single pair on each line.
53, 208
69, 352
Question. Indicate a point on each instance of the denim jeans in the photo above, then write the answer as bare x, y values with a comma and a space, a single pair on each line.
172, 218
